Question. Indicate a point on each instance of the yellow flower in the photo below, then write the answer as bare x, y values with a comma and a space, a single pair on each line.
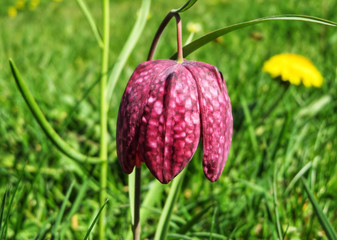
293, 68
33, 4
12, 12
20, 4
193, 27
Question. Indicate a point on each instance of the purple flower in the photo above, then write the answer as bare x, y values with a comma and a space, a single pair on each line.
166, 108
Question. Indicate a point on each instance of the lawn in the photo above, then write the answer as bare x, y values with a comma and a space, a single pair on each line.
274, 154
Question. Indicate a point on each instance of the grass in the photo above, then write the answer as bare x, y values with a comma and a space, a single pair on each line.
58, 57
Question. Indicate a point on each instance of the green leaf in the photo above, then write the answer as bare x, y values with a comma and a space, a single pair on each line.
3, 230
95, 220
328, 229
63, 207
43, 122
2, 210
187, 226
76, 205
277, 215
127, 48
297, 177
198, 43
185, 7
91, 22
165, 217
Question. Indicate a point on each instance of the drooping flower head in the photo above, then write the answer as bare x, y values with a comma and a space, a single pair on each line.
294, 68
167, 107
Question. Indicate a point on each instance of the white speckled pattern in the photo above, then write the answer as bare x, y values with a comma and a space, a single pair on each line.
165, 107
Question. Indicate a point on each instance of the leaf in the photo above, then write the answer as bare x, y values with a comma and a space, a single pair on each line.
2, 210
43, 122
95, 220
185, 7
297, 177
3, 230
162, 227
63, 207
76, 204
328, 229
187, 226
127, 48
91, 22
196, 44
315, 107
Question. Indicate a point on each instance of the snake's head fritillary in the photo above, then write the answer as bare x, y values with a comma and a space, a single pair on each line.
167, 107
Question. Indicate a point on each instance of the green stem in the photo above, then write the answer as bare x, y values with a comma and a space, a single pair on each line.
61, 145
104, 116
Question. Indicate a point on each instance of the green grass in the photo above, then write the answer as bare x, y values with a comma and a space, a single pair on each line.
258, 196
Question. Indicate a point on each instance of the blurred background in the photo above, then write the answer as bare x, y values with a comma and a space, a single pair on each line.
58, 57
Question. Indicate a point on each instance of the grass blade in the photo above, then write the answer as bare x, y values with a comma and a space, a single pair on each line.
213, 223
3, 230
44, 124
297, 177
95, 220
2, 210
188, 49
186, 227
328, 229
186, 6
76, 205
178, 236
207, 234
91, 22
277, 215
63, 207
127, 48
165, 217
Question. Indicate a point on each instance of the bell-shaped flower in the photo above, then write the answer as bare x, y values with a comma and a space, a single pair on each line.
167, 107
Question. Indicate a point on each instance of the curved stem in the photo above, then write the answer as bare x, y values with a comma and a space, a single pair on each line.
61, 145
104, 116
160, 31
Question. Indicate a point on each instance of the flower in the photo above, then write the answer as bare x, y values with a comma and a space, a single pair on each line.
294, 68
20, 4
194, 27
166, 108
12, 12
33, 4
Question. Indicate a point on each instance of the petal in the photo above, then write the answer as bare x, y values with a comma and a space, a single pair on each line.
170, 127
216, 117
131, 110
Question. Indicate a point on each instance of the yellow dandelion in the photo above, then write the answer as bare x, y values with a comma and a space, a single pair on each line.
293, 68
193, 27
20, 4
33, 4
12, 12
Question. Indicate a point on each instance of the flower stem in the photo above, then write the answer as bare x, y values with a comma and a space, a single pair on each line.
136, 224
160, 31
179, 39
103, 117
